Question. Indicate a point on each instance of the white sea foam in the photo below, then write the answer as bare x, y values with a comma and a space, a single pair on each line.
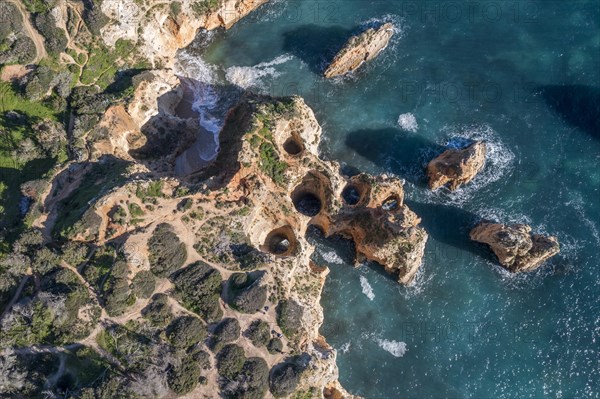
395, 348
366, 288
332, 257
499, 161
254, 76
345, 348
201, 78
191, 65
394, 19
408, 122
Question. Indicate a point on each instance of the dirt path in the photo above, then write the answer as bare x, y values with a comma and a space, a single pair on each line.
33, 34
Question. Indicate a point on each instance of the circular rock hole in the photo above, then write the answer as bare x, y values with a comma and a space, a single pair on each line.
391, 203
293, 146
281, 242
307, 203
351, 195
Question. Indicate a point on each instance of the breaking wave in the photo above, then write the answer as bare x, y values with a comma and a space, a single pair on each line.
254, 77
395, 348
366, 288
345, 348
499, 161
408, 122
332, 257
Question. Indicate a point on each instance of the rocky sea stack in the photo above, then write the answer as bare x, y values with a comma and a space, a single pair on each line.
455, 167
360, 49
516, 248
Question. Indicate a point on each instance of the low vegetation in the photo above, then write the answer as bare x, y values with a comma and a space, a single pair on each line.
186, 331
289, 317
258, 333
198, 287
158, 311
284, 377
166, 252
228, 330
245, 292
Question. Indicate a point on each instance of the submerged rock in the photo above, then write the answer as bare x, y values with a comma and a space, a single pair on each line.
516, 248
359, 49
455, 167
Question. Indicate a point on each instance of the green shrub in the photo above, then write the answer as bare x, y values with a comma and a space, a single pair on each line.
228, 330
74, 253
99, 266
131, 349
53, 315
289, 317
135, 210
175, 8
152, 190
116, 294
245, 293
55, 39
45, 261
184, 377
275, 346
85, 365
144, 284
166, 252
230, 361
185, 204
252, 382
39, 6
118, 215
203, 7
258, 333
270, 163
93, 17
158, 311
198, 286
185, 331
284, 377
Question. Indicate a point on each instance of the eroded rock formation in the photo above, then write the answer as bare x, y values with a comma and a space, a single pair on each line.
516, 248
455, 167
360, 49
369, 210
382, 227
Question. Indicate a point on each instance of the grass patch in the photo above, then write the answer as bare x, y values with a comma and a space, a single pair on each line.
135, 210
13, 171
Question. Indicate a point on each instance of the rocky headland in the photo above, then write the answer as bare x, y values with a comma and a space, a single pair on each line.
215, 245
517, 249
360, 49
455, 167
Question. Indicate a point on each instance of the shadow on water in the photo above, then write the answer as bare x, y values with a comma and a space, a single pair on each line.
395, 151
451, 226
578, 105
315, 45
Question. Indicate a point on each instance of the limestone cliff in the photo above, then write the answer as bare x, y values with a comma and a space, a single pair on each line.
160, 29
360, 49
516, 248
455, 167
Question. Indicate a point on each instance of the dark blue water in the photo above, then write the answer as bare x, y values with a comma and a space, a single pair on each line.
525, 77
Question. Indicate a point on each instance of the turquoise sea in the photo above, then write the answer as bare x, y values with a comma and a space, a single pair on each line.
522, 75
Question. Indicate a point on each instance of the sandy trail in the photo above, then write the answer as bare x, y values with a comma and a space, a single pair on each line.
33, 34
